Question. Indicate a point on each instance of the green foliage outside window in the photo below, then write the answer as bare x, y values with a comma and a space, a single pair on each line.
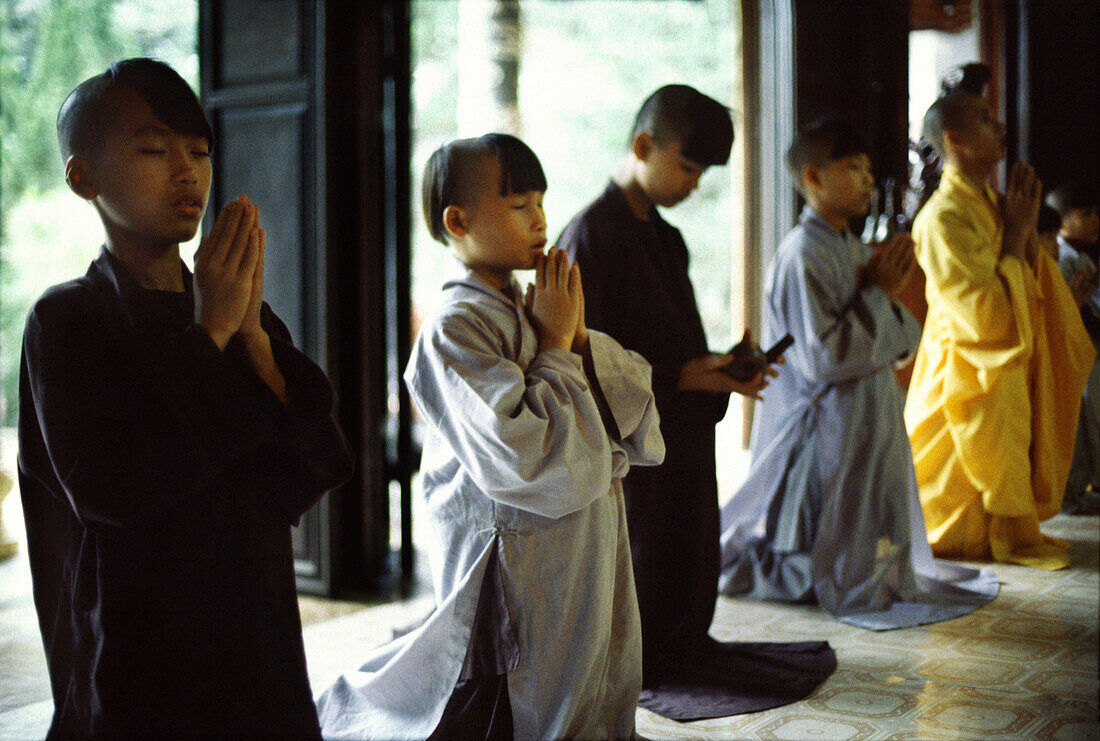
47, 47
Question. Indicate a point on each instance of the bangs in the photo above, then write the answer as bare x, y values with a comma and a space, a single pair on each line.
170, 97
520, 169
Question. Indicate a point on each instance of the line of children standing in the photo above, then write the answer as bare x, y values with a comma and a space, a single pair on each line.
170, 434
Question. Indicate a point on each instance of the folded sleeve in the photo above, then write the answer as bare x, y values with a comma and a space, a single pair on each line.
985, 299
839, 335
623, 377
529, 437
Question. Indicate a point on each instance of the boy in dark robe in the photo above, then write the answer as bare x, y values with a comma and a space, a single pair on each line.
637, 289
169, 436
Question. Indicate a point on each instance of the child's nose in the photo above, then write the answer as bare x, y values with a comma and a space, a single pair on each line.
184, 166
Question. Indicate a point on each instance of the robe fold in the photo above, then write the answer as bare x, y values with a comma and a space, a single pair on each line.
530, 561
160, 478
830, 510
996, 386
638, 290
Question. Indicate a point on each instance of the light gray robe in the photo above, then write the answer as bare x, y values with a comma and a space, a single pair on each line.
830, 509
518, 462
1085, 468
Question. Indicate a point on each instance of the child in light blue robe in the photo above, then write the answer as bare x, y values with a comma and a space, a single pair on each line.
830, 510
533, 421
1078, 230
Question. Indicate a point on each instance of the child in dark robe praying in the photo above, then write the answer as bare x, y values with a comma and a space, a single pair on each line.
169, 437
637, 289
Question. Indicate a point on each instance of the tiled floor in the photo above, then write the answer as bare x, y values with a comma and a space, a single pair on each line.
1023, 667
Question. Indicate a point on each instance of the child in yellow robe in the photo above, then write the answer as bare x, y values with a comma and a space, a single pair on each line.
1003, 359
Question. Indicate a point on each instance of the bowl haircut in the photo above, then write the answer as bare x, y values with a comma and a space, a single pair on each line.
451, 175
88, 115
680, 113
821, 142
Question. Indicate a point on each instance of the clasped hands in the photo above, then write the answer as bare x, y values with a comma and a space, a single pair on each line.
1020, 211
555, 303
890, 265
229, 274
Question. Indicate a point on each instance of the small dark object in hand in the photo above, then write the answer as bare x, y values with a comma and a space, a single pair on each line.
749, 360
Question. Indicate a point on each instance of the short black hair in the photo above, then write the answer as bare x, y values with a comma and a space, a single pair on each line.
1070, 196
949, 112
1049, 220
86, 116
820, 142
680, 113
451, 172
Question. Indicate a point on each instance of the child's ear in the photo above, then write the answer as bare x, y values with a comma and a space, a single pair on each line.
811, 176
78, 174
952, 140
641, 146
455, 221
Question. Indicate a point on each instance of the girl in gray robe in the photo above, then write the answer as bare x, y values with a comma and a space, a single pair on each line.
521, 472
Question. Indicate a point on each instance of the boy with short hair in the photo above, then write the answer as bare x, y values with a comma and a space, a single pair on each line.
637, 290
1003, 358
1078, 230
830, 511
169, 436
533, 420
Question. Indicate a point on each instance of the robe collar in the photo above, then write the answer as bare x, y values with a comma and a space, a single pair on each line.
811, 220
110, 273
472, 280
954, 179
615, 194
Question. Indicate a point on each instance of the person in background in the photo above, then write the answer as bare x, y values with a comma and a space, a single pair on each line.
1078, 236
830, 511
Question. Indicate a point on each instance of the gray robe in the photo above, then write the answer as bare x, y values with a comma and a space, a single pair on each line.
830, 509
522, 482
1085, 468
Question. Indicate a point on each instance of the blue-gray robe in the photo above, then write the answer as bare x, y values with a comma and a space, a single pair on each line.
520, 464
1085, 468
830, 509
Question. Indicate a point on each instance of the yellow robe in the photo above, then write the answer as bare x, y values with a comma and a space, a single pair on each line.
993, 402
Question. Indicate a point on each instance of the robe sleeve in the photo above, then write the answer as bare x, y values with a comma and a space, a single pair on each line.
530, 438
840, 336
986, 299
308, 455
623, 377
980, 326
136, 428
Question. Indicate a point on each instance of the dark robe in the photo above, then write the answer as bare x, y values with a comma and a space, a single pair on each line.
160, 478
637, 289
